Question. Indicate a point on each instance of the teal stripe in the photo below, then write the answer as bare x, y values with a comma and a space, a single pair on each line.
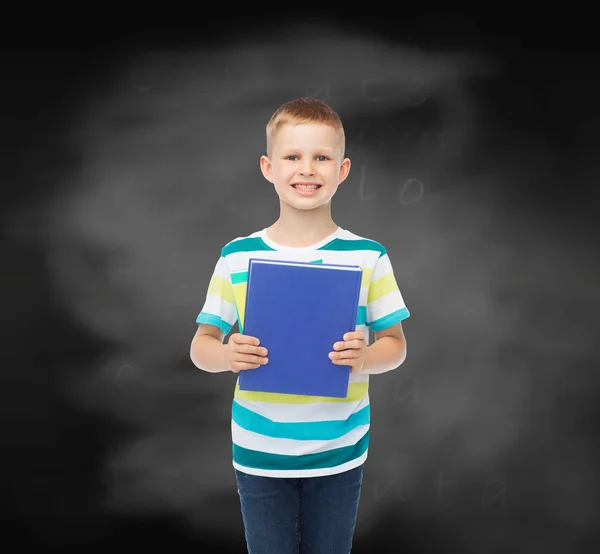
389, 320
215, 320
361, 315
319, 460
345, 245
256, 244
239, 277
311, 430
245, 245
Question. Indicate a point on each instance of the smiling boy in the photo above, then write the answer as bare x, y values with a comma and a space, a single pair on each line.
298, 460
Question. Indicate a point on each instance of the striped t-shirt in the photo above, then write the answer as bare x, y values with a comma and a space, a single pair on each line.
290, 435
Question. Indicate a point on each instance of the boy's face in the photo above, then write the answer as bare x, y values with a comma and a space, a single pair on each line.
306, 153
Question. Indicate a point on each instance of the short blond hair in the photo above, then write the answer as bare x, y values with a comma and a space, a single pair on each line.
304, 110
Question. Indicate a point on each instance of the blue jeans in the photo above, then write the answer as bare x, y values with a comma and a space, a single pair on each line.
306, 515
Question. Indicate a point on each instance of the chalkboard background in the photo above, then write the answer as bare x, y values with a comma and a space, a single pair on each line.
131, 157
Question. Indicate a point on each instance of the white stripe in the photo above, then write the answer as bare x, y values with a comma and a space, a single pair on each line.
297, 413
238, 261
215, 305
382, 267
221, 268
254, 441
364, 258
320, 472
385, 305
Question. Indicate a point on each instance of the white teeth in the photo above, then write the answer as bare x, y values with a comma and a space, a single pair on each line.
306, 187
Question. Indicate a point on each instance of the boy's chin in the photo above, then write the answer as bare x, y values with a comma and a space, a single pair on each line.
305, 206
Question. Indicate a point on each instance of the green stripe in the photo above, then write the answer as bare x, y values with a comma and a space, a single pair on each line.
239, 277
256, 244
345, 245
329, 458
361, 315
245, 245
305, 430
389, 320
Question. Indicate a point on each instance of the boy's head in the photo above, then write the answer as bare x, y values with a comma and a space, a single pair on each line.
305, 153
302, 111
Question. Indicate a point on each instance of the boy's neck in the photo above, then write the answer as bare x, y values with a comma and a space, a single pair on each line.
300, 233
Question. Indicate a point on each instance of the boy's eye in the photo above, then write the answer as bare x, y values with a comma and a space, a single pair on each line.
292, 156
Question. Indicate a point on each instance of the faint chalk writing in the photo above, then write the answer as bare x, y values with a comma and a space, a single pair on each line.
361, 195
369, 83
443, 484
125, 376
411, 183
379, 491
495, 491
325, 97
407, 387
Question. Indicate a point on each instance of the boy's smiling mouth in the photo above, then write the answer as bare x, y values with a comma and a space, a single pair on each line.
301, 185
306, 188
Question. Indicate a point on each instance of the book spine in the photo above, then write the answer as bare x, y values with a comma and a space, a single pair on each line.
357, 300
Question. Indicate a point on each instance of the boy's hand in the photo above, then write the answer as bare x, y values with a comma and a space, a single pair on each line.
243, 352
352, 352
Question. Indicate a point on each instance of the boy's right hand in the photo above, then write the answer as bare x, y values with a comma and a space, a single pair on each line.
244, 352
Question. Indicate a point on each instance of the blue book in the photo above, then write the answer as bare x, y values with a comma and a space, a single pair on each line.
298, 310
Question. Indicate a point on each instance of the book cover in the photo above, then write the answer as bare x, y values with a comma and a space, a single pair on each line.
298, 310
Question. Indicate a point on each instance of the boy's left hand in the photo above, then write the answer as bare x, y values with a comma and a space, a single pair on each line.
352, 352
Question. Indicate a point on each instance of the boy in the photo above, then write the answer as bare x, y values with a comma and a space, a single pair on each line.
298, 460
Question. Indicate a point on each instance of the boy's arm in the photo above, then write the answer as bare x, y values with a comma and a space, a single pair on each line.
387, 352
207, 351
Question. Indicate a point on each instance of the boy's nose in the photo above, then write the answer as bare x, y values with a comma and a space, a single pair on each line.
307, 170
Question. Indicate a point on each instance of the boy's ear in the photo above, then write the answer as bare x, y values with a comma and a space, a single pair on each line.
344, 170
265, 167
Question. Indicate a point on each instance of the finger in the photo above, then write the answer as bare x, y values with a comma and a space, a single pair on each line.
354, 335
344, 361
249, 358
248, 349
246, 339
241, 366
344, 354
353, 344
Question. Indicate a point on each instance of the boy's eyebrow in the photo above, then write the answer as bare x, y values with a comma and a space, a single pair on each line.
291, 149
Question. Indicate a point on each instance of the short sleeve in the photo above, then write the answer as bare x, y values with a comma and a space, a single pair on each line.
385, 304
219, 308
